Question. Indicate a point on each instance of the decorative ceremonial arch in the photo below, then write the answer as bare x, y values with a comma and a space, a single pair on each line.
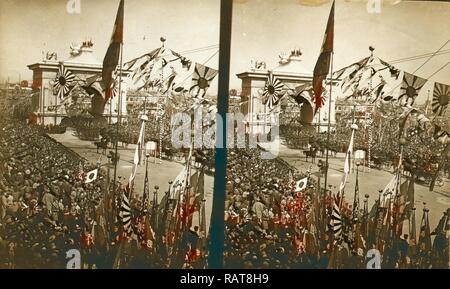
50, 106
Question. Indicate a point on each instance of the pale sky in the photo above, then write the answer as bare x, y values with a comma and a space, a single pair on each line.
261, 30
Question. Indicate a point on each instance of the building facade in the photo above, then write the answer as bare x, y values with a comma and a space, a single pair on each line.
292, 74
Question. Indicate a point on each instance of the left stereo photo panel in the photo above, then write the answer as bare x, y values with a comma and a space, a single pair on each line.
107, 132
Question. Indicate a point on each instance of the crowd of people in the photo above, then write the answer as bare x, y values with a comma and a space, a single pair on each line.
269, 222
45, 205
272, 224
47, 209
420, 148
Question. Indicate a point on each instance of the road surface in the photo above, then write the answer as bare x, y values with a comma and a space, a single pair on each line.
159, 173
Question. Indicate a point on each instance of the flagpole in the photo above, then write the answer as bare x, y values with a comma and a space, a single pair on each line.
117, 262
110, 111
396, 196
356, 195
447, 235
155, 206
160, 107
202, 212
180, 239
119, 116
328, 133
412, 225
146, 196
42, 98
318, 126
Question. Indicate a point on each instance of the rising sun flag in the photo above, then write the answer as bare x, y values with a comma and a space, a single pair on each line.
111, 59
323, 63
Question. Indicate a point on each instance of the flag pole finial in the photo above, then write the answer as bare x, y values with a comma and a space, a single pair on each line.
163, 40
